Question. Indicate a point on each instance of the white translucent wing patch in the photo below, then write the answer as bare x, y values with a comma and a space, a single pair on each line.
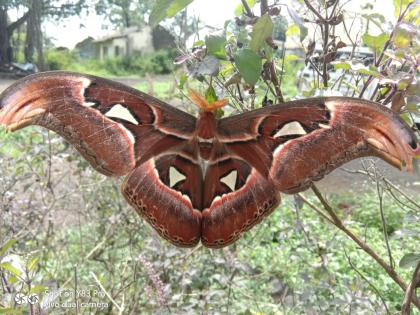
175, 176
120, 112
230, 179
89, 104
291, 128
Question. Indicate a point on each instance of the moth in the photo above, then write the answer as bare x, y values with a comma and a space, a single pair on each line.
205, 179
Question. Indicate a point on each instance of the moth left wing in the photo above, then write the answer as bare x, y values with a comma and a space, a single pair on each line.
112, 125
120, 131
298, 142
235, 198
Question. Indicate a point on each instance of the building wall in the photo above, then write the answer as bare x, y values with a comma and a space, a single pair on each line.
140, 41
126, 44
113, 48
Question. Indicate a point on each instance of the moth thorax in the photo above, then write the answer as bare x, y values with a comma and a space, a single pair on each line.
206, 126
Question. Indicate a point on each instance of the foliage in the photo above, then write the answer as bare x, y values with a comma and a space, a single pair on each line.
158, 62
124, 13
60, 59
293, 262
166, 8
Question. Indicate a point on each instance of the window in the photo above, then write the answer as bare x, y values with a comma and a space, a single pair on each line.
117, 51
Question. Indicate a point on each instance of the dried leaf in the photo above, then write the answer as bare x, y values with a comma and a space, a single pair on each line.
397, 101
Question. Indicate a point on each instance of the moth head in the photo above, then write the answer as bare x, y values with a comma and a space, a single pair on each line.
203, 104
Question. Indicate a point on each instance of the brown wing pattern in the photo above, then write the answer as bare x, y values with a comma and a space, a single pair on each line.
112, 126
215, 186
120, 131
287, 147
307, 139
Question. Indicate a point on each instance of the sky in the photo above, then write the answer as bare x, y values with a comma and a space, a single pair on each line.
68, 33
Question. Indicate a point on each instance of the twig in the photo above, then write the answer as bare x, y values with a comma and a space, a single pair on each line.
120, 309
320, 212
388, 182
387, 43
275, 80
411, 290
310, 7
367, 281
380, 192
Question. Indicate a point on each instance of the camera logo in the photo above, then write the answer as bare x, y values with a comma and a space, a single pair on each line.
23, 299
20, 299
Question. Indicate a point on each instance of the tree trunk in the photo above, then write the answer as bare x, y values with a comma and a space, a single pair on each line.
34, 35
37, 7
4, 36
30, 38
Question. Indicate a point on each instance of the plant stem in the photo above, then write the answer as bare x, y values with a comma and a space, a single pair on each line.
411, 291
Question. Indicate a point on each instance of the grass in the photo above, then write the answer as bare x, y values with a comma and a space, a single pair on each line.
293, 262
159, 89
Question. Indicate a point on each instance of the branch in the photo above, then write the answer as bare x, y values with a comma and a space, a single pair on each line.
247, 8
338, 223
387, 43
264, 7
12, 26
411, 290
318, 15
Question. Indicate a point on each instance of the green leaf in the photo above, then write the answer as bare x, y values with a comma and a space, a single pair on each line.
8, 266
409, 260
159, 12
399, 6
249, 65
210, 95
166, 9
239, 10
260, 32
341, 65
289, 58
303, 30
292, 30
182, 80
38, 289
375, 42
371, 70
413, 15
303, 33
6, 246
216, 46
404, 34
176, 6
32, 263
13, 279
199, 43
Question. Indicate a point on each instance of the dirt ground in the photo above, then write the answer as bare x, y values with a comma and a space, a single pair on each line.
4, 83
342, 179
